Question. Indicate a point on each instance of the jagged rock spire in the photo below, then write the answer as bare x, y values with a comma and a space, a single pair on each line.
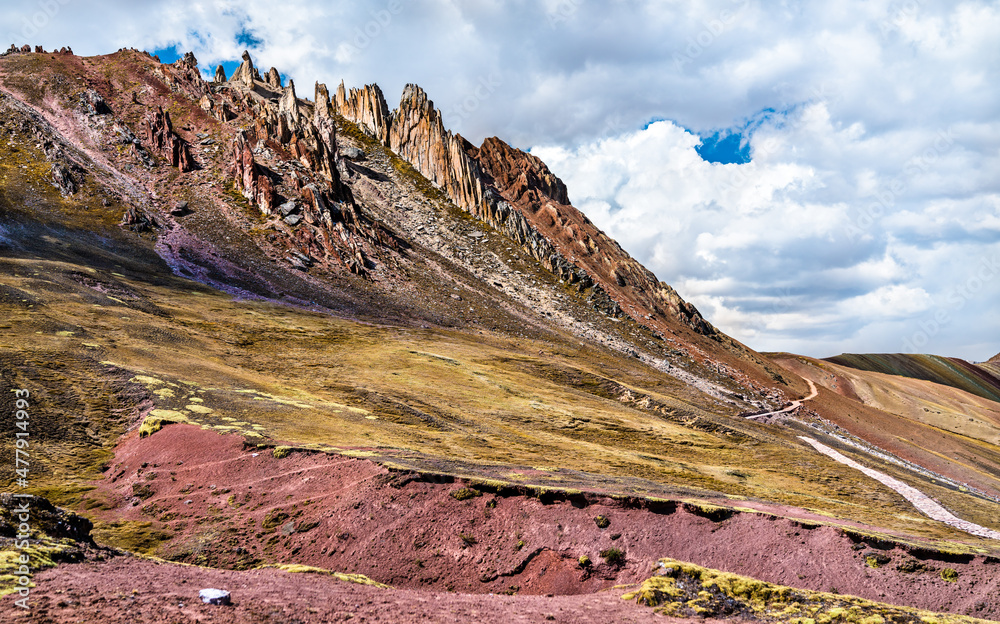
273, 78
288, 104
322, 99
245, 72
220, 74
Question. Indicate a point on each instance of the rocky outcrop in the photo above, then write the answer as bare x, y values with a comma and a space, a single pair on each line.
365, 107
63, 180
273, 79
518, 175
250, 177
220, 74
162, 140
322, 107
519, 196
526, 182
418, 135
245, 72
285, 161
289, 104
46, 519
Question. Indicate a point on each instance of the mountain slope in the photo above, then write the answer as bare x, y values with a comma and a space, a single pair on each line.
977, 379
379, 343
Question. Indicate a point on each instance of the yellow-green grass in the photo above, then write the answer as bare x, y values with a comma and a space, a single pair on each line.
681, 589
99, 329
295, 568
42, 553
426, 395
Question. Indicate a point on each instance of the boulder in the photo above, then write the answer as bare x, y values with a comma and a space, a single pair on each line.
352, 153
215, 597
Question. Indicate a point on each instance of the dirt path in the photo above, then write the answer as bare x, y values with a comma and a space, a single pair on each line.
795, 404
920, 500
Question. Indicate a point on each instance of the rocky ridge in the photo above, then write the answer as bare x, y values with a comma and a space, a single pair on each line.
515, 193
285, 161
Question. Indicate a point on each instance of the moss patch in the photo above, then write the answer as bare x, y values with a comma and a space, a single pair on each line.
359, 579
138, 537
465, 493
682, 589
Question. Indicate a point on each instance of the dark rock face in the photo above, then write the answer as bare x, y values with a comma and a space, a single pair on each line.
45, 518
63, 180
138, 221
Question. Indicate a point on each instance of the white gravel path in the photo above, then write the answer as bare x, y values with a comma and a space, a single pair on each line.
920, 500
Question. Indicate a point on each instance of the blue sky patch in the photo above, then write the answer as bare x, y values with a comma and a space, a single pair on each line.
168, 55
732, 145
247, 39
725, 147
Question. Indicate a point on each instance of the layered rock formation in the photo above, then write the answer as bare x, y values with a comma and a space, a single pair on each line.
160, 136
516, 194
365, 107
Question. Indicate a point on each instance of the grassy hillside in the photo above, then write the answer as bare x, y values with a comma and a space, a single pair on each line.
980, 380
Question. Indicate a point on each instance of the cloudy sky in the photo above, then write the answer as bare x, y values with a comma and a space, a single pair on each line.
817, 177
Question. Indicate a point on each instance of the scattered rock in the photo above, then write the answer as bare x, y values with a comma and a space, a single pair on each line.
293, 219
63, 180
352, 153
288, 208
93, 104
137, 220
180, 209
215, 597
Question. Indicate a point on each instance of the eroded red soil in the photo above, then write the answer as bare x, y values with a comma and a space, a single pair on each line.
234, 507
126, 590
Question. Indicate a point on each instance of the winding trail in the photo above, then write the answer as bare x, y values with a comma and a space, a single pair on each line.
795, 404
920, 500
924, 504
